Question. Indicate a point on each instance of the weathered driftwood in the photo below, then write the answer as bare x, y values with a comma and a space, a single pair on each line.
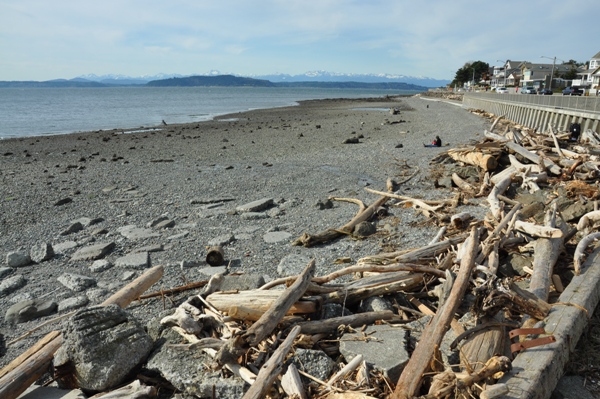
518, 300
461, 220
292, 384
410, 379
547, 164
392, 282
494, 236
495, 122
463, 184
258, 300
431, 206
347, 369
17, 377
267, 323
579, 255
484, 344
355, 320
308, 240
498, 189
590, 219
535, 230
272, 368
493, 136
135, 390
486, 162
545, 256
494, 366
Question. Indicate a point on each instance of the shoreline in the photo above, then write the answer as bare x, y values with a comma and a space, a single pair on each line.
294, 156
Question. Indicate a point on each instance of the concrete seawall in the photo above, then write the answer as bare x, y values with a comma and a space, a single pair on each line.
538, 111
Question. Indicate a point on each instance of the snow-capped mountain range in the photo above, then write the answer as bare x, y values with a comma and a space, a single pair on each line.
311, 76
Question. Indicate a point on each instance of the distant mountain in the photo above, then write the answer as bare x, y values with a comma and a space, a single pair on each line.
51, 83
221, 80
123, 80
324, 76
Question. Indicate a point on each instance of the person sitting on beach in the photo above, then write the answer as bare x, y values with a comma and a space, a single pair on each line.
435, 143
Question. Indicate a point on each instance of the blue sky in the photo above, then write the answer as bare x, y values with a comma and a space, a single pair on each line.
41, 39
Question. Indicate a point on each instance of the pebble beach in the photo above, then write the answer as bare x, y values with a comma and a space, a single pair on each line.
171, 191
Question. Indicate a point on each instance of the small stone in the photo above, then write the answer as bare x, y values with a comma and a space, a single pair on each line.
276, 236
11, 284
165, 224
139, 260
221, 241
72, 303
63, 201
100, 265
129, 275
32, 309
73, 228
178, 237
76, 282
92, 252
253, 215
17, 259
136, 233
256, 206
365, 229
41, 252
63, 247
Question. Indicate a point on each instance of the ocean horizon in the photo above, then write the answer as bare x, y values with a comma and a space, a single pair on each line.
28, 112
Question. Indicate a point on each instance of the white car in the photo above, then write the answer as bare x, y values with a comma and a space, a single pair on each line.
502, 90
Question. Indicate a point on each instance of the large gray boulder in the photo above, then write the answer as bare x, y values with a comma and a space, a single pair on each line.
103, 344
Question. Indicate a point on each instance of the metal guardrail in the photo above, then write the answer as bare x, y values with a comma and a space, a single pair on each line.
575, 103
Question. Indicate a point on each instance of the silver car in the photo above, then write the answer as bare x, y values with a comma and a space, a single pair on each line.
529, 90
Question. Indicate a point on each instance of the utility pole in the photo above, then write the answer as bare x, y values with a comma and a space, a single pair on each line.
551, 73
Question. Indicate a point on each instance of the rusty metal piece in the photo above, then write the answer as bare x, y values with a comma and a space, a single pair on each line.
520, 346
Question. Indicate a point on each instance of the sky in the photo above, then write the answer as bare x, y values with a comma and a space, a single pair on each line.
43, 40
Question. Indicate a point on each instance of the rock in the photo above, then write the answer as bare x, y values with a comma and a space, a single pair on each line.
32, 309
515, 263
5, 271
63, 201
41, 252
103, 344
313, 362
186, 264
242, 282
76, 282
72, 303
385, 349
178, 237
276, 236
17, 259
292, 265
186, 371
165, 224
93, 252
221, 241
320, 205
256, 206
375, 304
156, 221
365, 229
445, 181
100, 265
73, 228
150, 248
254, 216
351, 140
63, 247
44, 392
132, 232
139, 260
87, 222
11, 284
576, 210
331, 310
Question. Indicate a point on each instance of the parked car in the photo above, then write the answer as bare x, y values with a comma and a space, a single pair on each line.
528, 90
545, 92
572, 91
502, 90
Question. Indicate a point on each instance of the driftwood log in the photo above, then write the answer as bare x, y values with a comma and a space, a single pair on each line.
486, 162
411, 378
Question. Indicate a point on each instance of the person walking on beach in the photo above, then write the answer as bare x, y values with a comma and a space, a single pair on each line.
435, 143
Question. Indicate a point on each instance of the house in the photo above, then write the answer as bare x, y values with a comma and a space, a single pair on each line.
538, 75
507, 74
586, 79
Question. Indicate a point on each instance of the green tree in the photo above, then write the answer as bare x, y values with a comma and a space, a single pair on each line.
478, 69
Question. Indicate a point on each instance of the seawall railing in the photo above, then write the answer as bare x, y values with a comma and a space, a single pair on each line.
535, 111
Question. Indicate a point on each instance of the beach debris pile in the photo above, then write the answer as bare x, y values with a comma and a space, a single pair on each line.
447, 320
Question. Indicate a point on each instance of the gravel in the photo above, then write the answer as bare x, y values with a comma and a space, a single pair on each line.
183, 183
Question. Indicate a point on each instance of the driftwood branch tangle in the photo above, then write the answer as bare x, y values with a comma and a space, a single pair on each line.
271, 369
410, 379
20, 376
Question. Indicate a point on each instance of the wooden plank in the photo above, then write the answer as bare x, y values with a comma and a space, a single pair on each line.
536, 371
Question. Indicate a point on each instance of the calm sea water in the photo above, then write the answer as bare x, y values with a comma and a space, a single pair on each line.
47, 111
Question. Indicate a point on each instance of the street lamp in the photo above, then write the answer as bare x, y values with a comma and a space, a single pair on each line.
552, 73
